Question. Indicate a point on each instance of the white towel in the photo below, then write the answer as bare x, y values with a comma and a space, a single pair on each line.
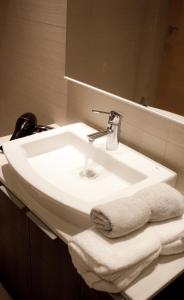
171, 234
155, 203
164, 201
173, 248
169, 231
120, 217
116, 283
111, 265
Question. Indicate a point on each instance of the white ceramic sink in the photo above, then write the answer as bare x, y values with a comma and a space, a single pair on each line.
52, 165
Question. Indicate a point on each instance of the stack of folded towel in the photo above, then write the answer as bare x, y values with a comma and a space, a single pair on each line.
171, 235
112, 264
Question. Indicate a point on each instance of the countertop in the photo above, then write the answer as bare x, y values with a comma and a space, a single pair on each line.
152, 280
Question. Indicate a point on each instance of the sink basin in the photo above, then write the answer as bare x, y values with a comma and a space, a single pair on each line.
68, 175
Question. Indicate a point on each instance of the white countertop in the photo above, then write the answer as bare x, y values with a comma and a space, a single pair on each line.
153, 279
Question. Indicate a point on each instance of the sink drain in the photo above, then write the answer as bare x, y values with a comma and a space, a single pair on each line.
88, 173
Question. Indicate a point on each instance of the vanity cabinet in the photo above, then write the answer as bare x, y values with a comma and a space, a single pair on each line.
91, 294
34, 263
14, 247
54, 276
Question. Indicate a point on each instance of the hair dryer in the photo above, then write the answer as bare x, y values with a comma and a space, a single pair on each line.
26, 125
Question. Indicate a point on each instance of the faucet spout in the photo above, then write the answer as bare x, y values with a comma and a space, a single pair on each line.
93, 136
112, 132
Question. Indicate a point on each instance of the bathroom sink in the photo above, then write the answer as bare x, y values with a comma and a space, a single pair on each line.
68, 175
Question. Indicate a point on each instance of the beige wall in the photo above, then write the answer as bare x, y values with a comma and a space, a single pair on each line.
32, 61
159, 138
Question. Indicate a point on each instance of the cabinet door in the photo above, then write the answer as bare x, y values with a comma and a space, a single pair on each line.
14, 246
174, 290
53, 274
91, 294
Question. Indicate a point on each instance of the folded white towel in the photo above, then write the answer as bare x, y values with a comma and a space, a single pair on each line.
169, 231
171, 234
120, 217
155, 203
115, 283
111, 265
173, 248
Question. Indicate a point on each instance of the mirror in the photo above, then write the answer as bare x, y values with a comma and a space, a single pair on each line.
133, 49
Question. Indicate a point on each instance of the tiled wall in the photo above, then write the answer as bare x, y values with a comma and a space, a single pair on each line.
159, 138
32, 61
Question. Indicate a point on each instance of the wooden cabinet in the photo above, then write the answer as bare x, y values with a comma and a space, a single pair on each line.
54, 276
91, 294
14, 246
34, 263
174, 290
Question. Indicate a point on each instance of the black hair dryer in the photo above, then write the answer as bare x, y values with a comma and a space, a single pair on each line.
26, 125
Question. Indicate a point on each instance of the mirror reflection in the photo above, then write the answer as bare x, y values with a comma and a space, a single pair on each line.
134, 49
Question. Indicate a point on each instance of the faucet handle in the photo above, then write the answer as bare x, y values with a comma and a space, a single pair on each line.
114, 117
100, 112
110, 113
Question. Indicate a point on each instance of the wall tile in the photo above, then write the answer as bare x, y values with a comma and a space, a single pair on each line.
131, 135
174, 156
152, 146
147, 144
180, 181
50, 12
147, 121
32, 65
4, 6
176, 134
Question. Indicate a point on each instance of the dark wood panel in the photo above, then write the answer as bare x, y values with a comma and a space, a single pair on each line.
13, 223
15, 271
174, 291
14, 250
91, 294
53, 274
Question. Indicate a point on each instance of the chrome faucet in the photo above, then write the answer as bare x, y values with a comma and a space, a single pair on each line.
112, 131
